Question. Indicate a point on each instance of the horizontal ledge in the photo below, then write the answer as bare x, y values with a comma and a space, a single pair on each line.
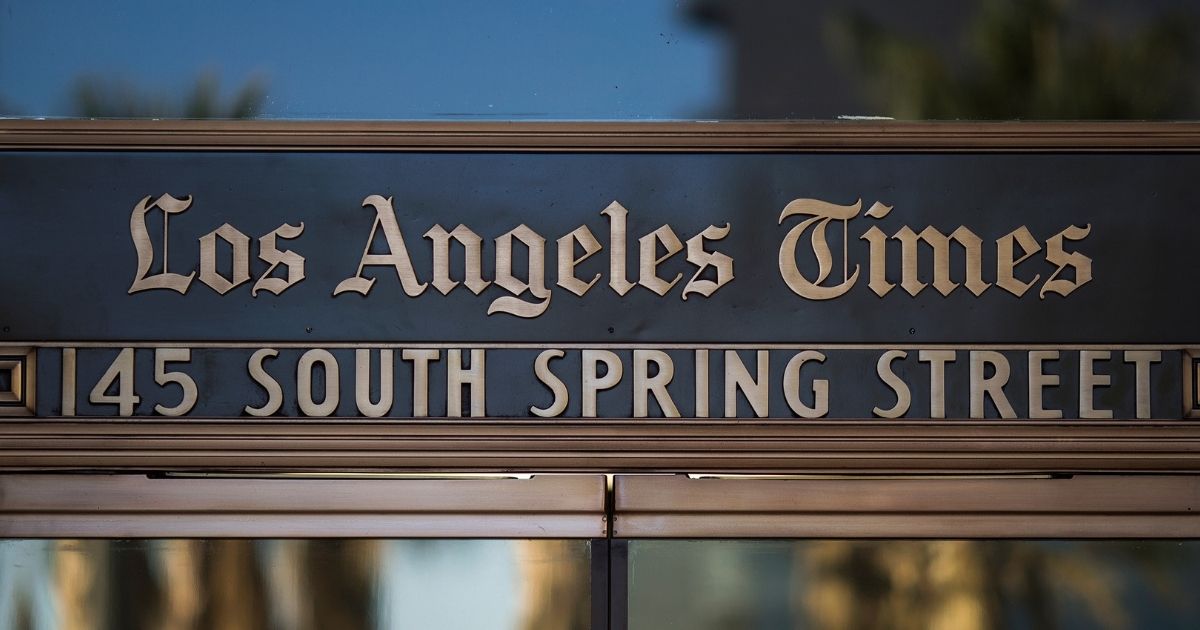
815, 136
1085, 494
906, 526
603, 445
291, 525
1086, 506
274, 426
573, 345
137, 493
57, 505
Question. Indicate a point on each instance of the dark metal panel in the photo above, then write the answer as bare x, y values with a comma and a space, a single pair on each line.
512, 387
70, 261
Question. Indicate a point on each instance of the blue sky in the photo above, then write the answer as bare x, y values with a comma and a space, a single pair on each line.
581, 59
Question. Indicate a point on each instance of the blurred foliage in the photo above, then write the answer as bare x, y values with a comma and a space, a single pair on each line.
252, 584
914, 584
97, 97
986, 585
1036, 59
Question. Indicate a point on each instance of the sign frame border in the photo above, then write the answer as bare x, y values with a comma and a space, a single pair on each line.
719, 446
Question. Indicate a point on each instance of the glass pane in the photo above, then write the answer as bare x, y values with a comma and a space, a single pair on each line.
294, 584
609, 59
961, 585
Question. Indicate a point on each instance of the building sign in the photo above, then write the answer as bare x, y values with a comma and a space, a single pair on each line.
564, 285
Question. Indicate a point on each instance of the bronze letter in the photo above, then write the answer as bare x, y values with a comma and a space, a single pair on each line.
697, 255
821, 212
397, 255
1056, 256
145, 249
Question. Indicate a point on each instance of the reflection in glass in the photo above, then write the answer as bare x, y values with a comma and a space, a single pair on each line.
105, 97
972, 60
951, 584
612, 60
1035, 59
294, 584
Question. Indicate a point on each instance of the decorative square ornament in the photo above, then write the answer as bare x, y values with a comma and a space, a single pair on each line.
1191, 383
18, 367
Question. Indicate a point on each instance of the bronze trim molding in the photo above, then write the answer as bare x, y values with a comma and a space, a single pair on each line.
1096, 506
602, 445
614, 444
136, 506
724, 136
574, 506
